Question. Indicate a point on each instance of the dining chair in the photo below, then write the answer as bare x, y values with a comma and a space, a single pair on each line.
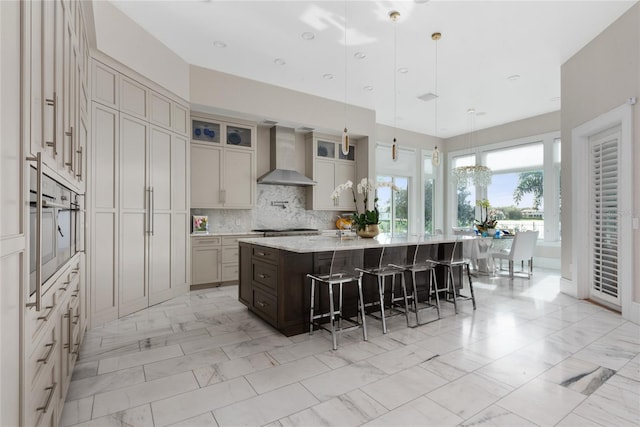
522, 248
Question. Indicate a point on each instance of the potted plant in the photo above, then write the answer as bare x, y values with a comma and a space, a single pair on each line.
488, 221
366, 222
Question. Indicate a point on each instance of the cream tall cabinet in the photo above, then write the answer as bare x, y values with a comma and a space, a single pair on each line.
140, 206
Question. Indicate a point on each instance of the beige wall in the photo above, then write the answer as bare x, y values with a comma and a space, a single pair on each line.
407, 139
125, 41
537, 125
599, 78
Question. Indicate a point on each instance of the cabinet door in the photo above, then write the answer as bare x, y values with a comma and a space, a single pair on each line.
105, 85
205, 176
68, 73
134, 220
104, 247
160, 110
239, 180
49, 86
325, 178
205, 262
180, 218
345, 172
133, 98
180, 119
160, 177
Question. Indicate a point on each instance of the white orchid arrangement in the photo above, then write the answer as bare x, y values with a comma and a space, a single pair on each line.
364, 187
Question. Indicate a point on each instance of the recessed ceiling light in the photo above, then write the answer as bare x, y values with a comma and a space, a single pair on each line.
427, 96
327, 76
219, 44
513, 77
279, 61
403, 70
471, 111
359, 55
308, 35
368, 88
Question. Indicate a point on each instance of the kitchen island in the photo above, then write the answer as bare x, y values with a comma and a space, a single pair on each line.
273, 282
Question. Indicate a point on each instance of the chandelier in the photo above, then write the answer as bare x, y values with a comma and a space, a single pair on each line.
477, 175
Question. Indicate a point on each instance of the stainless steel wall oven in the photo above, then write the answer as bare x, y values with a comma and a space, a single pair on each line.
54, 229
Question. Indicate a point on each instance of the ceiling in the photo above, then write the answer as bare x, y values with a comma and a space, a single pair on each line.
500, 58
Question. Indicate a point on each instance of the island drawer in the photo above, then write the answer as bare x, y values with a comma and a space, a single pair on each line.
266, 305
266, 275
265, 254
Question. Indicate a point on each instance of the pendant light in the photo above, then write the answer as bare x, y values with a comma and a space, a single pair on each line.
394, 15
477, 175
435, 156
345, 135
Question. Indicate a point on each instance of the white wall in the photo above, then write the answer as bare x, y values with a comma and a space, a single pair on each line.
12, 241
597, 79
125, 41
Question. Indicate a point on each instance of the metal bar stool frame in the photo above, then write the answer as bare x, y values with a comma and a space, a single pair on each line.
451, 290
423, 262
336, 277
381, 272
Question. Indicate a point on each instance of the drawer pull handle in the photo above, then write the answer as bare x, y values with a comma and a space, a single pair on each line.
263, 276
262, 304
52, 391
262, 254
45, 359
46, 316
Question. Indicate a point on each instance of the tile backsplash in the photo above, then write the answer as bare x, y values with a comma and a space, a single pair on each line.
270, 212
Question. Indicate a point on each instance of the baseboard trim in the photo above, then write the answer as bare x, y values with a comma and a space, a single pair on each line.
568, 287
634, 313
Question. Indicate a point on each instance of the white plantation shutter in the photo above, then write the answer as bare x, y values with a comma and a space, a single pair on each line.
604, 217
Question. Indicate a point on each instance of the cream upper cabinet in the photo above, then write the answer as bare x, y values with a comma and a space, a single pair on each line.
330, 168
223, 170
105, 85
133, 98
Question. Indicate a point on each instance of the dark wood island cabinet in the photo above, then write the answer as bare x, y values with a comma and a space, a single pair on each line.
273, 274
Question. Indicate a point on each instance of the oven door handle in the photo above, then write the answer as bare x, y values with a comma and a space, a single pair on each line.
48, 204
38, 302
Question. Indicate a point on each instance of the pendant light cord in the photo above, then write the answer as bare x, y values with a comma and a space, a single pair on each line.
345, 64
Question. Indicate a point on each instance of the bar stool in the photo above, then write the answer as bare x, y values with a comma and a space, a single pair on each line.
423, 256
343, 270
451, 262
390, 257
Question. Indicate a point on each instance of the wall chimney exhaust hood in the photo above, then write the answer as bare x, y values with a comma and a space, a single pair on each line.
283, 148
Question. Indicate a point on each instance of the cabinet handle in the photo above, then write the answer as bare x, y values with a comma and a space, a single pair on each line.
261, 254
69, 133
153, 210
53, 102
262, 304
68, 315
46, 316
38, 302
263, 276
79, 151
52, 390
45, 359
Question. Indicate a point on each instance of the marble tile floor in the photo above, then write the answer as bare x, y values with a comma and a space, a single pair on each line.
527, 356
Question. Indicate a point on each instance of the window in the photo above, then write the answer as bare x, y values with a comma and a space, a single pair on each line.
429, 195
465, 195
517, 187
525, 188
394, 205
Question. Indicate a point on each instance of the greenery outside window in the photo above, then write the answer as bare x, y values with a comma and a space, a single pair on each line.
394, 205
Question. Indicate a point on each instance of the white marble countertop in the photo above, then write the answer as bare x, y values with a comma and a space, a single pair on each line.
218, 233
308, 244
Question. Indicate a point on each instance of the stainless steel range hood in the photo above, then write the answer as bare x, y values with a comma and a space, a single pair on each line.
283, 148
